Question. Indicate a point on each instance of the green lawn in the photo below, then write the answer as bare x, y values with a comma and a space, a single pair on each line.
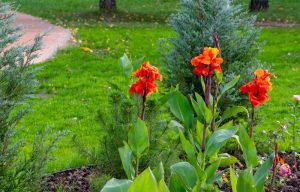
75, 84
141, 10
282, 54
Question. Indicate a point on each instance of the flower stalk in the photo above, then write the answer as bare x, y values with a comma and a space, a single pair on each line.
137, 167
274, 168
252, 122
207, 94
143, 105
216, 85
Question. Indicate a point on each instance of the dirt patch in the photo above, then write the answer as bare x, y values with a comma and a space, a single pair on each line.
275, 24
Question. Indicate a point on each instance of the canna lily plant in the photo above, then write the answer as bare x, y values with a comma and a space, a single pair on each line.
138, 141
204, 131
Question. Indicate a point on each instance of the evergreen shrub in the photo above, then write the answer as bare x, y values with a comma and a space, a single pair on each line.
194, 25
18, 171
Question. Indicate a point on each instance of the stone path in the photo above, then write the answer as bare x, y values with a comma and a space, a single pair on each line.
56, 37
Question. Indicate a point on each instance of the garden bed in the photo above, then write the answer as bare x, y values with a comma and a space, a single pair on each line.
76, 179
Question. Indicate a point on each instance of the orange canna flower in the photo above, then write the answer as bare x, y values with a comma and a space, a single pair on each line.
207, 62
257, 89
147, 76
147, 71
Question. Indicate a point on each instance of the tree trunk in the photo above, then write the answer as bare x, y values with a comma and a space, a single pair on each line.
107, 4
258, 5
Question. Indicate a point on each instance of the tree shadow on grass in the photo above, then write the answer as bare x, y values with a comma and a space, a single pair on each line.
112, 16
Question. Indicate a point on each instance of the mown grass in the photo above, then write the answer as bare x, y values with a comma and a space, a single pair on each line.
75, 84
282, 54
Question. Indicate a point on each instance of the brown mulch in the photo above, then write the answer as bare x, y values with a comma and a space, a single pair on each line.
292, 183
69, 180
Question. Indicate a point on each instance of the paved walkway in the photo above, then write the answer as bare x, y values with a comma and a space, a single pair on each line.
55, 38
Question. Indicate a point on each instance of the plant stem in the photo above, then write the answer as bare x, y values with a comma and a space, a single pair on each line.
274, 168
252, 122
144, 106
207, 94
138, 105
217, 44
294, 136
213, 106
137, 167
294, 124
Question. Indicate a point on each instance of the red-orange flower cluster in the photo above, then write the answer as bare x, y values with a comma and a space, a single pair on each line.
207, 62
258, 88
145, 84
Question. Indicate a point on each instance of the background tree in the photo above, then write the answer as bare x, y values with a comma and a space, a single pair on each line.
257, 5
107, 4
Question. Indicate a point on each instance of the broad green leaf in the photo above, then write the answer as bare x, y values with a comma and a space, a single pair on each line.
228, 86
145, 182
233, 180
246, 181
262, 172
138, 139
126, 65
162, 186
165, 98
159, 172
116, 185
196, 107
182, 109
248, 147
187, 174
204, 110
202, 84
211, 171
226, 125
218, 139
219, 77
188, 149
227, 160
176, 184
126, 155
199, 132
231, 112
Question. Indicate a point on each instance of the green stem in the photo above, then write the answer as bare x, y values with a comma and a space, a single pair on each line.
294, 124
294, 136
207, 94
252, 122
137, 167
214, 103
144, 106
